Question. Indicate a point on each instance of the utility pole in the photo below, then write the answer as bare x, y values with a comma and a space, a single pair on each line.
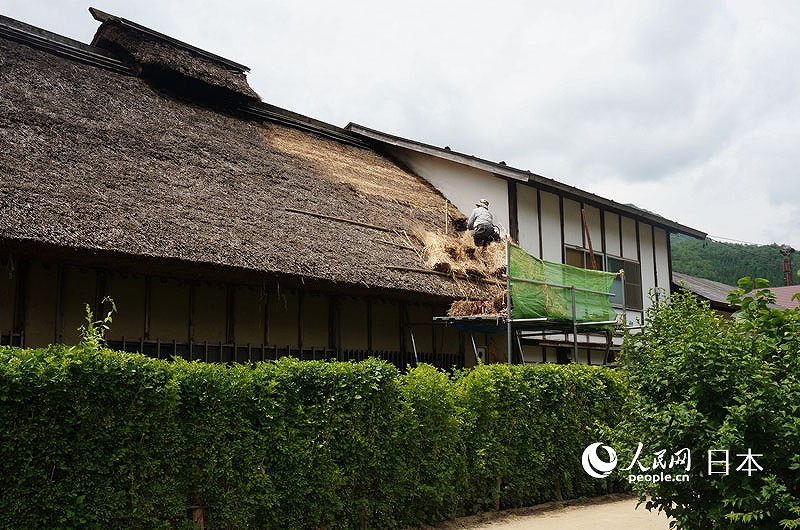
786, 252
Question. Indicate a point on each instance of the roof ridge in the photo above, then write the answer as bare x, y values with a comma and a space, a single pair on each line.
273, 113
102, 16
52, 42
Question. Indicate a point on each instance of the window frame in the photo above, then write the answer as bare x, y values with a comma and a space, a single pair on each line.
634, 299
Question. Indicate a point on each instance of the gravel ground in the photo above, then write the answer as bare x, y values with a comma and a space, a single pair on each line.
612, 512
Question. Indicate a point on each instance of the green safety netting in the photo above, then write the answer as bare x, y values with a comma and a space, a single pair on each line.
554, 299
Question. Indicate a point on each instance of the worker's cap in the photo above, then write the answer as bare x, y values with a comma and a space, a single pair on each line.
482, 202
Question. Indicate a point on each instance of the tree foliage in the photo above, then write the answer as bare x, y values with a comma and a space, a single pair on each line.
727, 262
706, 383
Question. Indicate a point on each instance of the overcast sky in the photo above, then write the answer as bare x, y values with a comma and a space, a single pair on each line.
689, 109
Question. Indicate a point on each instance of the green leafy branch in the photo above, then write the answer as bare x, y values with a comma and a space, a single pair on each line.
93, 331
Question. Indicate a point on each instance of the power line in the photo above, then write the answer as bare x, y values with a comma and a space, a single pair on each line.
718, 238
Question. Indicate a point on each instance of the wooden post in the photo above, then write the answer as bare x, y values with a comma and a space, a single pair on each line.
230, 315
588, 239
198, 515
148, 295
20, 297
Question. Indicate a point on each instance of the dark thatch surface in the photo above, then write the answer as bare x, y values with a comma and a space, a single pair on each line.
94, 160
150, 54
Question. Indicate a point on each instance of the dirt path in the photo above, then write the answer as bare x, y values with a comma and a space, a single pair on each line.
610, 513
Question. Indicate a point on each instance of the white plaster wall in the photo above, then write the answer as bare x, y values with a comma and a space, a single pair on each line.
461, 184
573, 225
464, 185
612, 234
629, 238
647, 263
662, 259
551, 227
528, 213
552, 357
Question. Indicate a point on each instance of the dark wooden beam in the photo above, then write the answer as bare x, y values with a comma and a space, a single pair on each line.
300, 300
369, 324
513, 211
539, 218
192, 309
148, 301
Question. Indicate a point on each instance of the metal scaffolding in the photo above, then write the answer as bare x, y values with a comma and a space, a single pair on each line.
521, 328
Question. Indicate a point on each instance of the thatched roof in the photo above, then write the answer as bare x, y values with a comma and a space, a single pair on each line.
95, 160
154, 54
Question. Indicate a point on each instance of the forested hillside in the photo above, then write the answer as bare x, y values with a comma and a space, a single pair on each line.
727, 262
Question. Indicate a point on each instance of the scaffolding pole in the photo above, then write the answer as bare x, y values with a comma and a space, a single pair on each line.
575, 324
413, 345
475, 348
574, 327
509, 315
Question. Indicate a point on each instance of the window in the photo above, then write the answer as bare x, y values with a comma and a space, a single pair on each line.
633, 283
579, 257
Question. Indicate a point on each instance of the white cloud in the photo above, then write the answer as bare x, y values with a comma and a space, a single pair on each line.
684, 108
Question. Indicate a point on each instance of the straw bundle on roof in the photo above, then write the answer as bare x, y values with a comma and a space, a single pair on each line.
493, 306
458, 253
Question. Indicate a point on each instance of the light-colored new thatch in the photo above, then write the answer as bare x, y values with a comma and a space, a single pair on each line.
458, 254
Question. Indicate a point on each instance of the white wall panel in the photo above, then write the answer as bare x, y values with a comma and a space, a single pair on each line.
629, 238
647, 262
593, 221
573, 225
662, 259
528, 213
462, 185
551, 227
612, 234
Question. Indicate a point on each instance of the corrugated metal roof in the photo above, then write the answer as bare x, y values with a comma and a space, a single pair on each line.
715, 292
783, 296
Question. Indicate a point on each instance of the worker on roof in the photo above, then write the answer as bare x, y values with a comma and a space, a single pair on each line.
481, 224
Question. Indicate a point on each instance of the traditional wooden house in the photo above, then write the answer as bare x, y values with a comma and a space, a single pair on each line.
225, 228
145, 169
552, 221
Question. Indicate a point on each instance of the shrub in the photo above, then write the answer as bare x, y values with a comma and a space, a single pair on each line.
100, 439
704, 382
89, 440
526, 426
431, 446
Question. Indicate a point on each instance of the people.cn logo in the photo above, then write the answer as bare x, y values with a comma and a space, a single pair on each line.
594, 465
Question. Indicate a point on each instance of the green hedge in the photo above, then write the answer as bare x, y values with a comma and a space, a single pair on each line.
99, 439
